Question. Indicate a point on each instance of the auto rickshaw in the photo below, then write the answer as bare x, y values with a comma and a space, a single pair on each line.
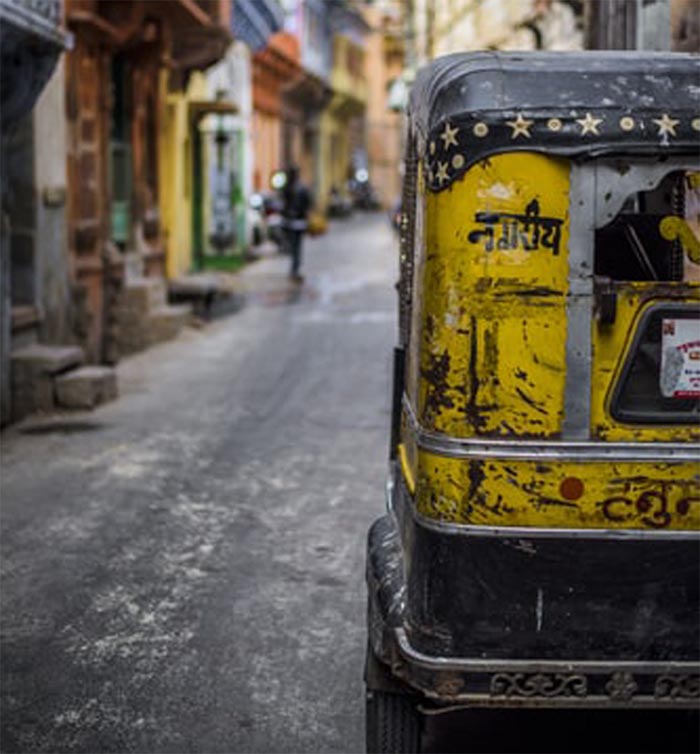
541, 543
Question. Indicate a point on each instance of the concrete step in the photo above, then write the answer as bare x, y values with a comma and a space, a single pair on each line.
25, 324
26, 336
143, 294
140, 299
207, 293
86, 387
166, 322
158, 292
48, 359
33, 370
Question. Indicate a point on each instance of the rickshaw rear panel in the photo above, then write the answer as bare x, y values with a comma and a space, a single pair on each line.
542, 541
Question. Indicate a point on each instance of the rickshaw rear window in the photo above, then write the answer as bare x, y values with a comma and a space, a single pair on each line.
660, 382
656, 234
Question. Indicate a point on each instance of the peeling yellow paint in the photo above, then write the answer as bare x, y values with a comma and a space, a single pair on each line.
493, 332
622, 495
487, 358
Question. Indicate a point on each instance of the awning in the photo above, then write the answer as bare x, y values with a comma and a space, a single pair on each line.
40, 21
200, 108
31, 41
255, 21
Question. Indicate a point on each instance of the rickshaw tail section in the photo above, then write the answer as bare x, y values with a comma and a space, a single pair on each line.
541, 545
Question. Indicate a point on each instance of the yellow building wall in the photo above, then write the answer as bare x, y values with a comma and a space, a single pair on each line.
175, 172
336, 156
349, 101
324, 156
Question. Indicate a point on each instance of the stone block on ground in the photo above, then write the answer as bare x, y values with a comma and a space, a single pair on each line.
142, 295
86, 387
210, 294
142, 300
33, 370
198, 290
25, 326
132, 334
166, 322
47, 359
193, 285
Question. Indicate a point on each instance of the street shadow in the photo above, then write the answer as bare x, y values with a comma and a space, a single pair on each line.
286, 295
62, 426
571, 731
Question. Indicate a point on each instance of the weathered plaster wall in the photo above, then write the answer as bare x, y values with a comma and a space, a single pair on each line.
52, 275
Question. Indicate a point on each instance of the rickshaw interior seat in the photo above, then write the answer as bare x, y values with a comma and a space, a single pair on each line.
631, 247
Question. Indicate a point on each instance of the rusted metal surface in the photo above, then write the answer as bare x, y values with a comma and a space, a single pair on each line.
466, 107
423, 642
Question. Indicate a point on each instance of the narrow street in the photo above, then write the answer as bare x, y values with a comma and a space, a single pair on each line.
195, 432
184, 568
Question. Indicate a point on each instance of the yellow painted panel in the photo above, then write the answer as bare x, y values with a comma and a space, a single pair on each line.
175, 166
591, 495
611, 345
494, 278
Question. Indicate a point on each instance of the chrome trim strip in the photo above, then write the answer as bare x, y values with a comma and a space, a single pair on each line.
525, 533
461, 664
469, 701
579, 304
548, 450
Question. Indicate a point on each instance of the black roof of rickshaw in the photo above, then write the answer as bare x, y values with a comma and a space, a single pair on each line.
566, 103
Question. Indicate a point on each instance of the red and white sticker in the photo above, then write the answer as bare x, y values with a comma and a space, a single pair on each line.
680, 358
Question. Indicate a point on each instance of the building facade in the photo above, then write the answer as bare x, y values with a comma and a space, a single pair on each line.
34, 274
122, 52
643, 25
439, 27
385, 60
343, 122
231, 145
274, 68
305, 97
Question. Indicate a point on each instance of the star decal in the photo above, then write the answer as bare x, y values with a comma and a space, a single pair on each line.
666, 125
589, 125
449, 135
520, 126
441, 174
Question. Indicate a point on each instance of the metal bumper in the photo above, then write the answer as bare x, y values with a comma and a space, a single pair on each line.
435, 660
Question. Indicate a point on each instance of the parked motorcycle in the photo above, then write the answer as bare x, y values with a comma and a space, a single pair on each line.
267, 218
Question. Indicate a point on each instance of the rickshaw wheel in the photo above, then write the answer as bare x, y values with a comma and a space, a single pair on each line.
392, 723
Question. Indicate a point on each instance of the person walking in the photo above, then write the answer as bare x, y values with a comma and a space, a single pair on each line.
295, 213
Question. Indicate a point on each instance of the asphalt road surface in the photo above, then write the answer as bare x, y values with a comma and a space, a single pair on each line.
183, 569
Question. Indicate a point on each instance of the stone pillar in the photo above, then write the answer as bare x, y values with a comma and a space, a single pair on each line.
88, 86
52, 269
